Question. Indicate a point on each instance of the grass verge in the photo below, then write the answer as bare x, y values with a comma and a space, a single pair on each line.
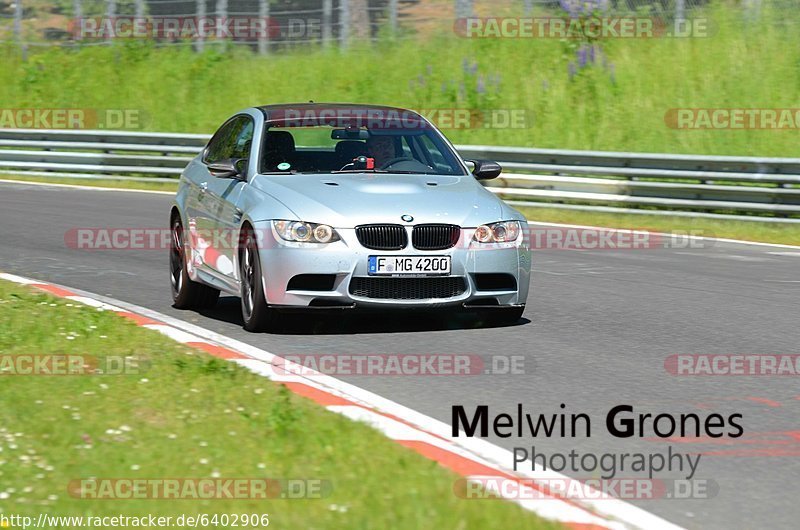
184, 414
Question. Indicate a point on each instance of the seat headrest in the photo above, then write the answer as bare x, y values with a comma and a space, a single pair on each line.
279, 142
351, 149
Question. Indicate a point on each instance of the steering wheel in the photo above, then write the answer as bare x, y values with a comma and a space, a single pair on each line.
393, 161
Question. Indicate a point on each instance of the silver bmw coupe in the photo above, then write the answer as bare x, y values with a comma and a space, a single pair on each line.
331, 206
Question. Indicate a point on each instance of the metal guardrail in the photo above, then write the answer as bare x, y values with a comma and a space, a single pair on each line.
760, 189
106, 155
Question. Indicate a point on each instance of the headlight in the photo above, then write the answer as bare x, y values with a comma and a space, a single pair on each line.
303, 232
502, 232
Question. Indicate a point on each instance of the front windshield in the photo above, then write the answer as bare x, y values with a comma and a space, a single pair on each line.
330, 149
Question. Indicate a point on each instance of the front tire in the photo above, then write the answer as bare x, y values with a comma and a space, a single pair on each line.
186, 294
256, 314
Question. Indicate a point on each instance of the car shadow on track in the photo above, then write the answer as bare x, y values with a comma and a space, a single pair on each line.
353, 322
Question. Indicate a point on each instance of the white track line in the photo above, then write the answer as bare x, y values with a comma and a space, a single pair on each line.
82, 187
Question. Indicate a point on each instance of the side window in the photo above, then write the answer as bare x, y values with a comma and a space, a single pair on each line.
233, 140
244, 140
406, 148
432, 151
435, 156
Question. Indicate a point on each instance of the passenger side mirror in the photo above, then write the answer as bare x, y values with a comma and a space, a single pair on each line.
485, 169
231, 168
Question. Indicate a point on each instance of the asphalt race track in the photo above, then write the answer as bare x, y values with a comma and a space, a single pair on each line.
598, 328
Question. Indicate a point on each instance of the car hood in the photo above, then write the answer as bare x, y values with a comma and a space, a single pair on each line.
347, 200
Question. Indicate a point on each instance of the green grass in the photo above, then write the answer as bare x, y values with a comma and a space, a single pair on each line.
781, 233
189, 415
755, 64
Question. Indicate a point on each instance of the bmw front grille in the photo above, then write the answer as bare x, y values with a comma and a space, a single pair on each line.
382, 237
394, 237
435, 236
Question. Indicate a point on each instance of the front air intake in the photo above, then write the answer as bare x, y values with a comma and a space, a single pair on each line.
408, 288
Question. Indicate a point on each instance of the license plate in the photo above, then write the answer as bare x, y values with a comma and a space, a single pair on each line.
420, 265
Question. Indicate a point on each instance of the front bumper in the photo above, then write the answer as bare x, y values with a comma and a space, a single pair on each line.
347, 259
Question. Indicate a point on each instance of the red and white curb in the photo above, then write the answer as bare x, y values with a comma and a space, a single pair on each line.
469, 457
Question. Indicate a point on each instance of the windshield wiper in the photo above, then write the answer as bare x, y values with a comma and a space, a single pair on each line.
405, 172
361, 171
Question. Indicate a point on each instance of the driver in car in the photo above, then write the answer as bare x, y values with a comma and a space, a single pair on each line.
381, 148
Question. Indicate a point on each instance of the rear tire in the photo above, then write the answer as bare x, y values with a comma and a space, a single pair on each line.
186, 294
256, 313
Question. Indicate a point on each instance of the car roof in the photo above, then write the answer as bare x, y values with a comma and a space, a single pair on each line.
280, 113
330, 106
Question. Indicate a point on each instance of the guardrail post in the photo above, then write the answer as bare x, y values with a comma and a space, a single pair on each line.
327, 20
77, 19
221, 16
393, 17
263, 20
200, 14
752, 10
359, 23
18, 29
464, 8
344, 23
111, 12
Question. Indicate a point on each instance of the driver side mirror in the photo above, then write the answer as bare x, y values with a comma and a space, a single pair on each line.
485, 169
231, 168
